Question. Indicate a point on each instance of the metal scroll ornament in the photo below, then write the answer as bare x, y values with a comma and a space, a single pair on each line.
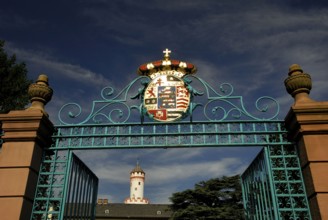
168, 91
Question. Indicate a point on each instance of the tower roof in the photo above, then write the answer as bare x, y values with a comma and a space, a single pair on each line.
137, 169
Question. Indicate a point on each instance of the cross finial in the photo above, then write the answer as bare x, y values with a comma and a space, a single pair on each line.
166, 54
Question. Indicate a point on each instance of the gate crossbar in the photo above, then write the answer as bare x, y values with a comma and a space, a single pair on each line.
183, 134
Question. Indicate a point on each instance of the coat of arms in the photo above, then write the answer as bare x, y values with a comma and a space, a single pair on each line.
166, 97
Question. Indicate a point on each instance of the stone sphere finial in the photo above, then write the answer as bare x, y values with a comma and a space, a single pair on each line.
298, 84
40, 93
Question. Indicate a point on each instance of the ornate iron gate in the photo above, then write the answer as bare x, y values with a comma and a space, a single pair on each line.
273, 185
66, 189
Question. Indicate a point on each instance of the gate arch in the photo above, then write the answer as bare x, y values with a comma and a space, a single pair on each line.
272, 186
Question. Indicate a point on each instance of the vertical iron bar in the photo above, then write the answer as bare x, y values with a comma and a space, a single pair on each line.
142, 137
154, 132
216, 134
81, 192
267, 139
93, 136
166, 136
266, 202
78, 192
38, 188
95, 191
85, 185
65, 189
242, 133
53, 163
85, 209
90, 197
129, 133
273, 191
254, 130
105, 132
203, 134
73, 189
87, 195
244, 193
191, 137
81, 138
229, 135
57, 139
117, 133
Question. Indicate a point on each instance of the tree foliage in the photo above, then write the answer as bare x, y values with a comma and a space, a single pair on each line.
218, 198
13, 82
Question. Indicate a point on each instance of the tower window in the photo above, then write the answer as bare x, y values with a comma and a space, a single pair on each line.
139, 183
135, 189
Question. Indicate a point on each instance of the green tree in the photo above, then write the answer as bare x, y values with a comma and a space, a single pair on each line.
13, 82
218, 198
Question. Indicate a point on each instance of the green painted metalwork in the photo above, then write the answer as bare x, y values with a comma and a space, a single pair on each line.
207, 104
61, 179
273, 186
169, 135
82, 192
257, 190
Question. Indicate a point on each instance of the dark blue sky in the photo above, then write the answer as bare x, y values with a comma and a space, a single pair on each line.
86, 45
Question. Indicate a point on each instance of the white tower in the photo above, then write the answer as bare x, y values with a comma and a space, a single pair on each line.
137, 182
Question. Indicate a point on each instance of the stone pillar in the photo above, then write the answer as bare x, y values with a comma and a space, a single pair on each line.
26, 134
307, 122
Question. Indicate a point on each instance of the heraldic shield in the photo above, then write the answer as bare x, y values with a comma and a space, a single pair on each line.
166, 98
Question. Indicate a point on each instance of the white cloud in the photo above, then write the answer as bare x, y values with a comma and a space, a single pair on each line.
161, 178
164, 167
268, 36
170, 155
54, 68
176, 172
161, 195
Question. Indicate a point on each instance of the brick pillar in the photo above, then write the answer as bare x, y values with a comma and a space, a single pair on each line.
307, 122
26, 134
